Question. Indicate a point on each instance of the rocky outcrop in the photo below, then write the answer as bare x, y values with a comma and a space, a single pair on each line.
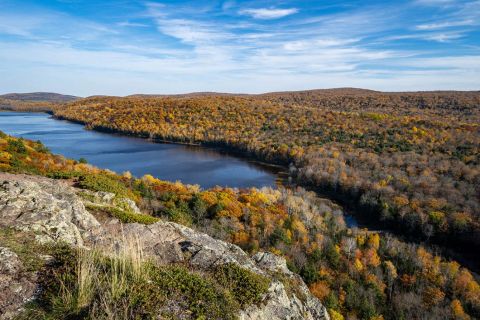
49, 208
108, 199
169, 242
279, 304
16, 285
55, 212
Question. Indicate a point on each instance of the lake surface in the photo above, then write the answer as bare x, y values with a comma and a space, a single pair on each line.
189, 164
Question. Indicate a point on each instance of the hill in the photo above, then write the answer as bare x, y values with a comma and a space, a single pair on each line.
39, 96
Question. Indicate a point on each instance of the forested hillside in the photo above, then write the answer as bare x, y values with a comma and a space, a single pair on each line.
35, 101
408, 161
357, 274
39, 96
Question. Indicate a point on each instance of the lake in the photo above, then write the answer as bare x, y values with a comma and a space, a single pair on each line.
188, 164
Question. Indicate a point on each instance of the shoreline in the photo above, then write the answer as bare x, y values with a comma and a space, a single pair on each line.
363, 216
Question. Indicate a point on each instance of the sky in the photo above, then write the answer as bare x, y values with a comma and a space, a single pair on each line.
122, 47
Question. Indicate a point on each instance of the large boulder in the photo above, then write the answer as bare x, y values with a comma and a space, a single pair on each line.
50, 208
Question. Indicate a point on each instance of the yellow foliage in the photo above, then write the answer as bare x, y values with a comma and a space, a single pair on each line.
5, 156
391, 270
358, 265
240, 237
298, 226
335, 315
361, 240
209, 197
374, 241
149, 179
457, 310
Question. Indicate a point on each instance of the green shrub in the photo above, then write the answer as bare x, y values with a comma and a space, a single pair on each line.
200, 294
16, 146
125, 216
247, 287
198, 208
40, 147
106, 183
178, 212
64, 174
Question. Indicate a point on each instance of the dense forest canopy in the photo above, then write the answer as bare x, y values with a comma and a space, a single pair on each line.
408, 160
356, 273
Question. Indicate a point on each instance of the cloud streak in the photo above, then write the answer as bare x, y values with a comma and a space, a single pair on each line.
267, 14
202, 46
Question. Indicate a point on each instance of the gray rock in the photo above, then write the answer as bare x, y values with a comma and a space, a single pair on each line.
16, 286
54, 211
168, 242
108, 199
271, 262
50, 208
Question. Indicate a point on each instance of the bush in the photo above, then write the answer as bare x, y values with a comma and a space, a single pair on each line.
123, 285
106, 183
64, 174
199, 294
247, 287
178, 215
125, 216
40, 147
16, 146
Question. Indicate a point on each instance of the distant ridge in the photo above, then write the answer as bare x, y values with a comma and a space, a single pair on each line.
303, 94
333, 91
39, 96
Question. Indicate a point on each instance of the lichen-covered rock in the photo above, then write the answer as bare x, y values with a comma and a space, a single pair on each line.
109, 199
50, 208
272, 262
279, 305
55, 212
16, 285
168, 242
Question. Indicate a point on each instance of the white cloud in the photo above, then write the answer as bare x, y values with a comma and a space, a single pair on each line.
203, 53
429, 36
446, 24
266, 14
132, 24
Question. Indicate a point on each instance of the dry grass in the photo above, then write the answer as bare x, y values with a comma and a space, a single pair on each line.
105, 289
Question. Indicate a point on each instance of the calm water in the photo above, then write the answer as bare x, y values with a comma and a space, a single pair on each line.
193, 165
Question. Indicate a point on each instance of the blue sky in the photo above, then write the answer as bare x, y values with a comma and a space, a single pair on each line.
120, 47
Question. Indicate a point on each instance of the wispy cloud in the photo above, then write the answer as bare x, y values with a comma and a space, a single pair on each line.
446, 24
229, 46
268, 13
132, 24
430, 36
